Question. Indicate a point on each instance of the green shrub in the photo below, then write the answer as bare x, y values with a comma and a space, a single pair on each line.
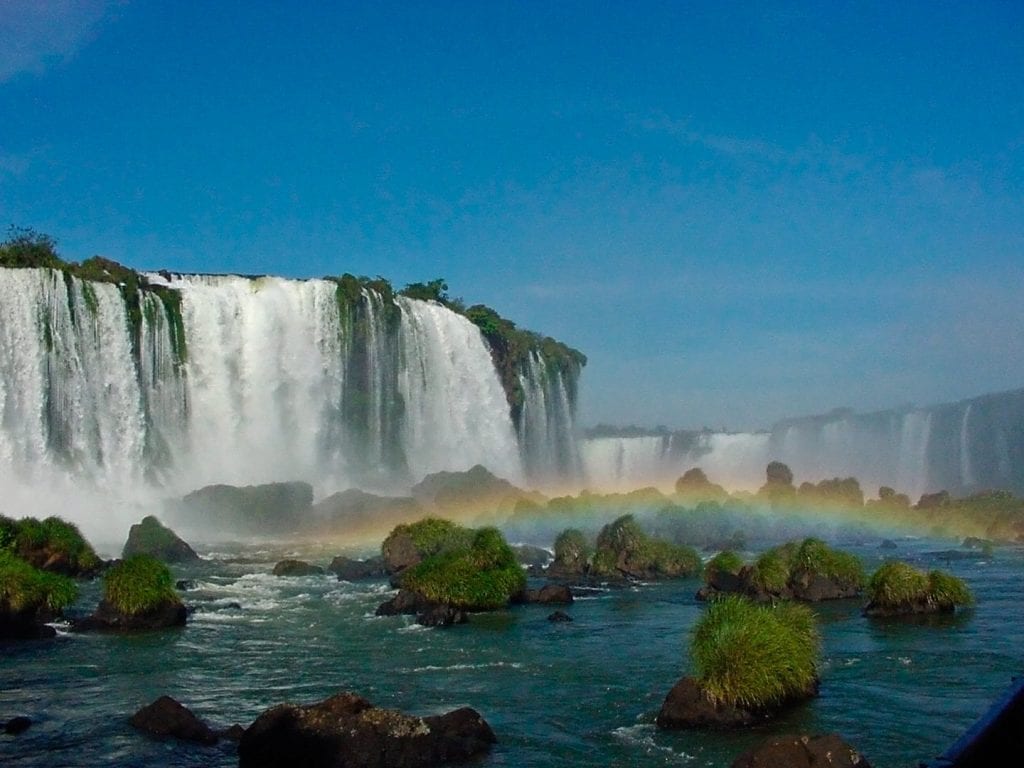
482, 576
897, 585
771, 569
138, 584
24, 588
432, 535
755, 656
726, 561
51, 544
815, 557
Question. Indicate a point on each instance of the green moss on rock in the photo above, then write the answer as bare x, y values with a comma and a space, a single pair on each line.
138, 585
899, 588
624, 549
26, 589
51, 545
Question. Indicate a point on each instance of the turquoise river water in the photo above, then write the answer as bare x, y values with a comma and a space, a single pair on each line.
574, 694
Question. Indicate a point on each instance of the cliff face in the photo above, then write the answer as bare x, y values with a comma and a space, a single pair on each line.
184, 380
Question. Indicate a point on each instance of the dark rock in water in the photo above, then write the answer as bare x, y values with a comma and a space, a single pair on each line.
17, 725
808, 587
802, 752
271, 508
25, 625
347, 569
356, 512
476, 489
109, 619
559, 616
688, 706
429, 614
166, 717
441, 616
296, 568
813, 588
232, 733
183, 585
949, 555
347, 730
399, 551
887, 544
549, 594
150, 537
973, 542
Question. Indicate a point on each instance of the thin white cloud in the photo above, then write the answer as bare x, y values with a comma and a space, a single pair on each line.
38, 34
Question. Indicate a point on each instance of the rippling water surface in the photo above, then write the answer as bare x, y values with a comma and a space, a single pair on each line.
580, 693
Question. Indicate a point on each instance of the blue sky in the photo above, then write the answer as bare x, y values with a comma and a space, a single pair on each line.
739, 211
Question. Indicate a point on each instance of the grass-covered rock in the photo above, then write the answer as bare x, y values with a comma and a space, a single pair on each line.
749, 660
810, 570
138, 593
410, 543
151, 537
483, 576
29, 597
625, 550
572, 554
52, 544
897, 588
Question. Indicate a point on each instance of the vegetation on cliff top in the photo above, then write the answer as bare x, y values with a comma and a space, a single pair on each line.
755, 656
138, 584
481, 576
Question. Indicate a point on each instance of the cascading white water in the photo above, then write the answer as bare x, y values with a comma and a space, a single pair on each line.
620, 463
547, 424
456, 413
912, 460
966, 470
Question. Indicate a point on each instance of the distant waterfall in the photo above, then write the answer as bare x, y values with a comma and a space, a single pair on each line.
225, 379
962, 447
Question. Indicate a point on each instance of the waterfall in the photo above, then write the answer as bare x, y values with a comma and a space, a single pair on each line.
966, 471
223, 379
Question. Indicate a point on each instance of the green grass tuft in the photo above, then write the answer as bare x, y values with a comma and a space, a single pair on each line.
897, 585
138, 584
24, 588
572, 547
433, 535
48, 543
815, 557
948, 591
771, 570
755, 656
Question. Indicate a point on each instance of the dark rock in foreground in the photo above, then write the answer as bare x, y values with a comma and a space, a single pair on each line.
25, 625
347, 730
166, 717
150, 537
549, 594
688, 706
802, 752
17, 725
109, 619
347, 569
559, 616
296, 568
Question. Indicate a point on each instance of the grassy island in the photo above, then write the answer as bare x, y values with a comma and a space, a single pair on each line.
899, 588
793, 567
624, 549
52, 545
755, 656
138, 585
481, 576
25, 589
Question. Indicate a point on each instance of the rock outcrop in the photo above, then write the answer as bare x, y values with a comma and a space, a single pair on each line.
151, 537
802, 752
297, 568
347, 730
349, 569
166, 717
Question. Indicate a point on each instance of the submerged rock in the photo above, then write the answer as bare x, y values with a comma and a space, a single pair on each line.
802, 752
151, 537
17, 725
347, 730
297, 568
428, 614
559, 616
167, 717
688, 706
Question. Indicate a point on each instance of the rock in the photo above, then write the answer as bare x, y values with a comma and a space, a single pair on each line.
399, 551
166, 717
347, 569
297, 568
183, 585
109, 619
232, 733
559, 616
150, 537
355, 512
347, 730
887, 544
533, 557
802, 752
273, 508
549, 594
405, 602
26, 625
476, 489
813, 588
687, 706
17, 725
441, 616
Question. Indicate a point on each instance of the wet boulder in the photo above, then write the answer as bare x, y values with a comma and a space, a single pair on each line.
296, 568
151, 537
802, 752
549, 594
166, 717
687, 705
349, 569
347, 730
